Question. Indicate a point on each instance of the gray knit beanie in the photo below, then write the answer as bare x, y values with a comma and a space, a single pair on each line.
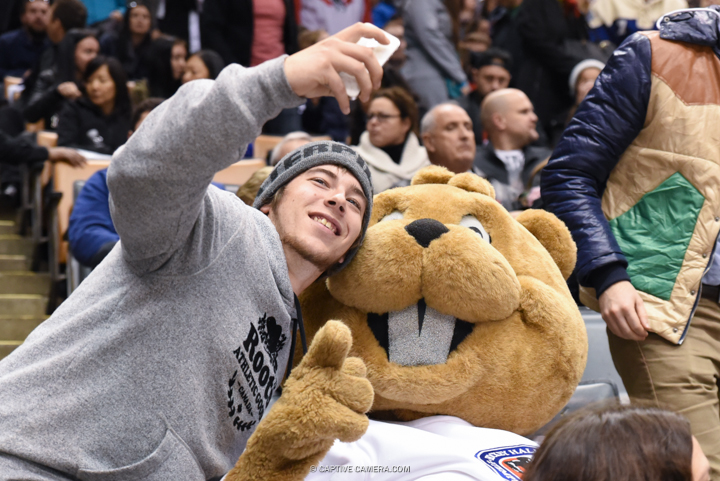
311, 155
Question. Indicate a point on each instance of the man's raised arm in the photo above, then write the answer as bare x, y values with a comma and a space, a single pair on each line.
157, 181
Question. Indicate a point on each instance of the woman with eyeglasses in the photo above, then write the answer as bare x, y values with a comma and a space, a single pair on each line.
100, 119
390, 144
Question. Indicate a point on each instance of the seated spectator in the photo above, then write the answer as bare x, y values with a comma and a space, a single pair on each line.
65, 84
582, 79
248, 191
100, 119
91, 231
132, 45
616, 20
333, 16
322, 116
433, 68
390, 145
20, 49
620, 443
447, 135
204, 64
64, 16
290, 142
508, 160
490, 72
168, 60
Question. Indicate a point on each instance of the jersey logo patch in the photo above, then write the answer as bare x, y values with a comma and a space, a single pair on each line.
509, 462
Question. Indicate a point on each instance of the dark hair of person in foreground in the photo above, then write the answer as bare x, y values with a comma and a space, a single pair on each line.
613, 442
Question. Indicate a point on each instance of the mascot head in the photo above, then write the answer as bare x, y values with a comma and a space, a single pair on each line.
458, 308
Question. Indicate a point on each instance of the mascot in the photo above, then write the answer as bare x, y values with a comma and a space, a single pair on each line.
468, 333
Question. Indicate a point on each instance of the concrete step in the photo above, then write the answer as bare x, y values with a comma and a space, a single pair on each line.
15, 245
24, 282
22, 305
14, 263
18, 329
6, 347
7, 227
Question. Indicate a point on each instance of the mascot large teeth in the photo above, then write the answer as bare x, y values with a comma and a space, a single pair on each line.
461, 311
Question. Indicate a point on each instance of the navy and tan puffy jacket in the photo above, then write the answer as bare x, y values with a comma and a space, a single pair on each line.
636, 175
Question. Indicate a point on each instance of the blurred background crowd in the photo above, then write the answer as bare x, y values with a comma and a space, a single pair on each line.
486, 86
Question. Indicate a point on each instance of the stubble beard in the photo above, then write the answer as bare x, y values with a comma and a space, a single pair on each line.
320, 261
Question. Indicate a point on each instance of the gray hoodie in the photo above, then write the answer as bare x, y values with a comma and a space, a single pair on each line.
162, 363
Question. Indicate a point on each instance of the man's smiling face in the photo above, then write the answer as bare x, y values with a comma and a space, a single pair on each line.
319, 214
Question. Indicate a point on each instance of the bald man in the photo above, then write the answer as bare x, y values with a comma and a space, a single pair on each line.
508, 160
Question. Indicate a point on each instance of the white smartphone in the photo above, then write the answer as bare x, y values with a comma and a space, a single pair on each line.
382, 54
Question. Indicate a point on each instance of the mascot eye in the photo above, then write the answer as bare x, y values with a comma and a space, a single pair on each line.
472, 223
394, 215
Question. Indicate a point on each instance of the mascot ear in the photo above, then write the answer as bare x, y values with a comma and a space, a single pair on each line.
433, 174
473, 183
553, 235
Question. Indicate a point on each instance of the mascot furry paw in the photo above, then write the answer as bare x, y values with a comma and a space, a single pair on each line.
463, 318
324, 399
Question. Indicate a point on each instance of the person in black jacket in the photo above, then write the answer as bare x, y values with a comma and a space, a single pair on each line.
508, 160
132, 46
100, 119
250, 32
168, 61
63, 83
65, 15
491, 72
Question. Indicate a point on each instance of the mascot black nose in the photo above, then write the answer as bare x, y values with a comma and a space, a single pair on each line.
426, 230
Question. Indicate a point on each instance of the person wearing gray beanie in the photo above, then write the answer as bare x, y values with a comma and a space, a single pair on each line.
313, 155
164, 361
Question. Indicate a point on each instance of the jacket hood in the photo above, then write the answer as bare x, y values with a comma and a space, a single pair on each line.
693, 25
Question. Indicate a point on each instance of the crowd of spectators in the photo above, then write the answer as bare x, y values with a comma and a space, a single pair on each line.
451, 51
483, 86
512, 70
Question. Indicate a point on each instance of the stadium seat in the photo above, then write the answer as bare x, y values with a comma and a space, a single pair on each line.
238, 173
